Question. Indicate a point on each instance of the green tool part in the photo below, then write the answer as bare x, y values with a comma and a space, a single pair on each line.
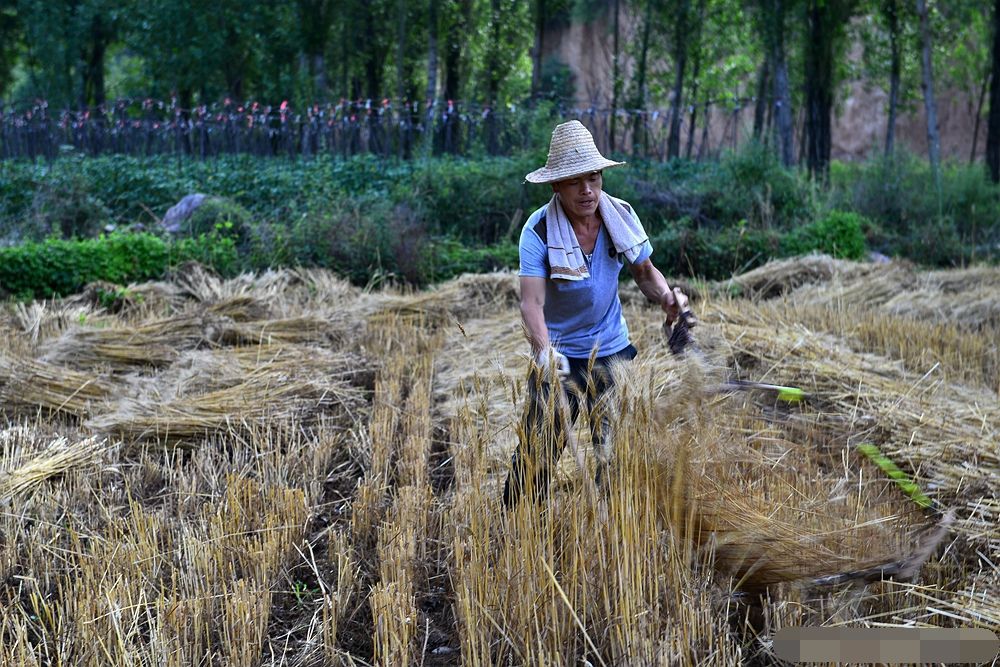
903, 480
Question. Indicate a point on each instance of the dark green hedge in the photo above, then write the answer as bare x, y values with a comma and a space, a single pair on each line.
57, 267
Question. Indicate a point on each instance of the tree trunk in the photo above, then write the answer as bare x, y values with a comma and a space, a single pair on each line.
321, 85
453, 52
680, 61
761, 104
432, 51
822, 19
693, 118
616, 83
782, 94
993, 120
93, 83
345, 69
638, 126
927, 84
979, 117
372, 55
315, 18
703, 146
493, 78
891, 9
536, 49
696, 71
401, 6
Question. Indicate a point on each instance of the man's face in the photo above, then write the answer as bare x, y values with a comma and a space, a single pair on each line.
580, 195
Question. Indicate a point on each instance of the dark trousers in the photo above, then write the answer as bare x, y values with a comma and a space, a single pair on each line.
543, 436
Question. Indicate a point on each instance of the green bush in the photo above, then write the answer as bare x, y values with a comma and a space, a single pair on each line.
838, 234
915, 218
66, 208
58, 267
683, 249
751, 184
448, 257
426, 219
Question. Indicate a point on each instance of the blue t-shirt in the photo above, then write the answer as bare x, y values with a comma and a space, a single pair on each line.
580, 314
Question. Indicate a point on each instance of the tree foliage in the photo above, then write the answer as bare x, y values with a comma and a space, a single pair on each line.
701, 59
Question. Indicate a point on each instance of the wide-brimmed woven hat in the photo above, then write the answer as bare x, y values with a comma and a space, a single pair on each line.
571, 152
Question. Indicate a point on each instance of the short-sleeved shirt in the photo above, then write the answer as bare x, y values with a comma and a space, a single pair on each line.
579, 314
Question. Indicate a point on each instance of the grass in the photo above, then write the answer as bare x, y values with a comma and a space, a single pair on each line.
322, 485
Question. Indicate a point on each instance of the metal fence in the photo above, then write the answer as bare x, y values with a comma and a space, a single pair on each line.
156, 127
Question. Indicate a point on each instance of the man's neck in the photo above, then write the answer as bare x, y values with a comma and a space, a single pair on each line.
589, 223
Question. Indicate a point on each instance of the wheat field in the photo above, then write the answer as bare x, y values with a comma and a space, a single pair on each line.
283, 469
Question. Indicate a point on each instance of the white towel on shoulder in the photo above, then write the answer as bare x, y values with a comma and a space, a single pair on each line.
565, 256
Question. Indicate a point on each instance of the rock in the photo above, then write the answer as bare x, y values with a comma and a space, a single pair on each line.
180, 212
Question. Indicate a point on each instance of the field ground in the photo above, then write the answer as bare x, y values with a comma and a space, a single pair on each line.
284, 469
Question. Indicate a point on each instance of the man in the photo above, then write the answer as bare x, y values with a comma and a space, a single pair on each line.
571, 253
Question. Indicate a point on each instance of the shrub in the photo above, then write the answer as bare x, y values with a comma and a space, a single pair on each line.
57, 267
448, 257
751, 184
838, 234
66, 208
683, 249
900, 194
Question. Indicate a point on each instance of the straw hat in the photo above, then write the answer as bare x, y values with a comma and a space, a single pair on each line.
571, 152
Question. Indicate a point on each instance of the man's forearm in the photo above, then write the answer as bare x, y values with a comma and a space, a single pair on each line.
533, 318
653, 285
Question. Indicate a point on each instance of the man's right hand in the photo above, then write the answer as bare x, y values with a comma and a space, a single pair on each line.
550, 356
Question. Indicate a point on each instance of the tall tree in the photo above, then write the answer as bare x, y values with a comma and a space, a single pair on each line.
890, 11
993, 121
774, 28
401, 33
825, 20
459, 22
762, 97
538, 17
432, 50
101, 28
10, 41
616, 77
56, 38
696, 71
315, 21
927, 85
639, 102
680, 49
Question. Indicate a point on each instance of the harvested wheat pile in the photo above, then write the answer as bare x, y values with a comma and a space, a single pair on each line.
947, 432
965, 298
28, 386
466, 297
303, 330
26, 462
254, 403
122, 348
198, 372
781, 276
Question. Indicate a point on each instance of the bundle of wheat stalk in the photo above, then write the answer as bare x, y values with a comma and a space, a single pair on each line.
27, 385
122, 348
785, 275
257, 400
198, 372
963, 298
466, 297
940, 429
768, 500
304, 329
26, 463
